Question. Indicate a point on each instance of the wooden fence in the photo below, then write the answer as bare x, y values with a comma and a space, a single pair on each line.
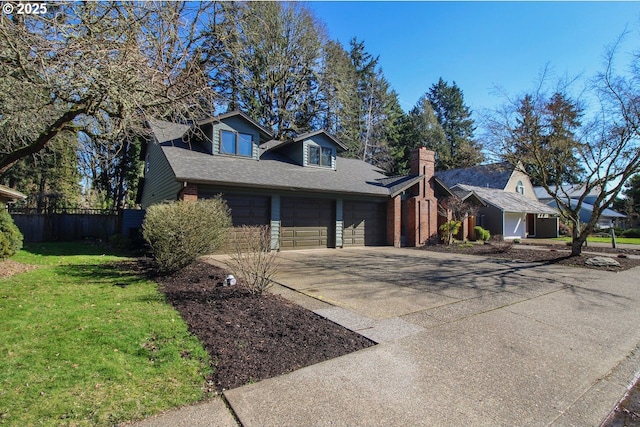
76, 225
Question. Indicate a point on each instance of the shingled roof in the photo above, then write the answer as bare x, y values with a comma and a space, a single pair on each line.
495, 175
508, 201
273, 171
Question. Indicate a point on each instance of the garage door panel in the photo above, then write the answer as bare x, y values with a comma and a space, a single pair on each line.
364, 223
307, 223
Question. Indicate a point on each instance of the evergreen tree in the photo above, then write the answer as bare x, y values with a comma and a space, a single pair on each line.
455, 118
265, 58
49, 178
419, 129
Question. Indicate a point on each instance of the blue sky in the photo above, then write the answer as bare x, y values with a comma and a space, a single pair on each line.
481, 45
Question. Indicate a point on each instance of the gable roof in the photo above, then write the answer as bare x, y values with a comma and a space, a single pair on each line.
275, 144
495, 175
167, 131
266, 133
507, 201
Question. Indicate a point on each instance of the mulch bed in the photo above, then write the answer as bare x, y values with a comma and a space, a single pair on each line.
251, 337
552, 255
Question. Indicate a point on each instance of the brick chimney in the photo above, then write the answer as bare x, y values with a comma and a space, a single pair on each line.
422, 222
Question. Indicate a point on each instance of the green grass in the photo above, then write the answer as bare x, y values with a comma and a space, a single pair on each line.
625, 240
82, 343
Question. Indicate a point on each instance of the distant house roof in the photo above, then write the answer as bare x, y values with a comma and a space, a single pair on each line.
574, 191
495, 175
606, 213
8, 194
507, 201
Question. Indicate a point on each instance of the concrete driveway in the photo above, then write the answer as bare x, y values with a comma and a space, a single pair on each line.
462, 341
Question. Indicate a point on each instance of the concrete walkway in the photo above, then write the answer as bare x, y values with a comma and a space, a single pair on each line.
462, 341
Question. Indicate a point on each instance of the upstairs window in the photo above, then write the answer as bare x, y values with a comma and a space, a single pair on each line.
320, 156
520, 187
235, 143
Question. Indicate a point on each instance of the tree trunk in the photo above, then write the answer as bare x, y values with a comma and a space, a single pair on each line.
578, 238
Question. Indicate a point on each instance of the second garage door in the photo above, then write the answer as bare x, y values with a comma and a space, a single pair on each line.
307, 223
364, 223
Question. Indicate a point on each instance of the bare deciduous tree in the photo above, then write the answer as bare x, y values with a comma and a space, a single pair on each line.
104, 66
547, 136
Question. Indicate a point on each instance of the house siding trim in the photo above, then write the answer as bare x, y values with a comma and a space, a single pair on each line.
339, 223
275, 222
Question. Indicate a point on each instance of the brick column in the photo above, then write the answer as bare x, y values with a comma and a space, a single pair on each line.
394, 221
189, 192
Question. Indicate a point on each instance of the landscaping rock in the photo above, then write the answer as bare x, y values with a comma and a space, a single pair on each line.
603, 261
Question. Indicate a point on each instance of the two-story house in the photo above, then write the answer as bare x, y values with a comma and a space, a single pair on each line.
301, 188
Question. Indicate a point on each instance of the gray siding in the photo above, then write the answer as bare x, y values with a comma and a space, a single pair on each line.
159, 181
492, 219
546, 227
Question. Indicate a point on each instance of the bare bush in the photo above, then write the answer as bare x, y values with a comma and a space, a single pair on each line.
253, 260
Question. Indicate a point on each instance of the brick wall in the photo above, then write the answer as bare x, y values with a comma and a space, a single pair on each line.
189, 192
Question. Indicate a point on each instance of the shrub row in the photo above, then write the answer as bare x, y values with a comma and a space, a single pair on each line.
631, 233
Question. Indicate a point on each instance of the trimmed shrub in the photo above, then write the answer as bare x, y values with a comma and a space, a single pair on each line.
482, 234
179, 232
631, 232
10, 236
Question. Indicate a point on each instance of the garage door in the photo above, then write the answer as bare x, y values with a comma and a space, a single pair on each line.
514, 225
245, 210
364, 223
248, 210
307, 223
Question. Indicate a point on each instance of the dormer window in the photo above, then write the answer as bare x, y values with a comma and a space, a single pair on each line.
236, 143
320, 156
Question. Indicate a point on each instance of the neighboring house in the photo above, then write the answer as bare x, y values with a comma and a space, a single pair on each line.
510, 207
8, 194
608, 218
301, 188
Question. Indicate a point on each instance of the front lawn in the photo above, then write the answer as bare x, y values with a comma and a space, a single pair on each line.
85, 343
621, 240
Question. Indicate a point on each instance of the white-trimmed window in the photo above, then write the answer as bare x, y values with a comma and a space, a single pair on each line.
320, 156
236, 143
520, 187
